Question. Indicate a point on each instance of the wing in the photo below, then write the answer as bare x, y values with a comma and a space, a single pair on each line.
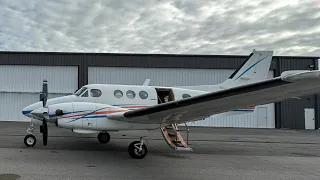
289, 84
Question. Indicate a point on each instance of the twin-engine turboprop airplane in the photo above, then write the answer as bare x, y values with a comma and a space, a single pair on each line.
99, 108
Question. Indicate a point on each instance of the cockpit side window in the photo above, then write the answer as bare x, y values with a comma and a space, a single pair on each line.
95, 93
85, 94
80, 91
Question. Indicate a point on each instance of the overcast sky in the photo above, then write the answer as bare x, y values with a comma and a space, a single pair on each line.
289, 27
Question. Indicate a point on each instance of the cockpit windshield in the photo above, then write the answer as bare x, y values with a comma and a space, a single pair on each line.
80, 91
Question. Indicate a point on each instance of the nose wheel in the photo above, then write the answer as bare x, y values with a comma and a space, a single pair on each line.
138, 149
30, 140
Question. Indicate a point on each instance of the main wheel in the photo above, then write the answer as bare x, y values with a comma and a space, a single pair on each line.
135, 151
103, 137
30, 140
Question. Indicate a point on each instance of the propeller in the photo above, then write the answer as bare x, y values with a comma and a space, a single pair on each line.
43, 98
44, 93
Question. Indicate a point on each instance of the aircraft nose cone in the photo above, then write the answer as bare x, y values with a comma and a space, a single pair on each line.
30, 108
26, 111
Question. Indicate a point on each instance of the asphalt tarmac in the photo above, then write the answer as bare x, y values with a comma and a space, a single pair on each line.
218, 153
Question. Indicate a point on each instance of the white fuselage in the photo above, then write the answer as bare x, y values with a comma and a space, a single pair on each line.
89, 107
140, 97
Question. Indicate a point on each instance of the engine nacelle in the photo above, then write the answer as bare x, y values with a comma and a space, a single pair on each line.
78, 115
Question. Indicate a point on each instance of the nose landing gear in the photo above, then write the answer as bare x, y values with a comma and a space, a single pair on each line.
30, 139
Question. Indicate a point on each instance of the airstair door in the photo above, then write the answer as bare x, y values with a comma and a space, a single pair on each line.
174, 139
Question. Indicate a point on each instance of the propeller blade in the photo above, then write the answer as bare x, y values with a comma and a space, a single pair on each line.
44, 93
45, 132
45, 115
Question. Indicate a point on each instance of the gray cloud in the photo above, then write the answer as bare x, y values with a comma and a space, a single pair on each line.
168, 26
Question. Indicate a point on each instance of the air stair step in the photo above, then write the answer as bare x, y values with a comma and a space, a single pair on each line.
183, 149
174, 138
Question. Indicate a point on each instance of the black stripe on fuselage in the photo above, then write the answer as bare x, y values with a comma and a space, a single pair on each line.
206, 97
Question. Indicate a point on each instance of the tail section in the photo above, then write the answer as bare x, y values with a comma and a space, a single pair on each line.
254, 69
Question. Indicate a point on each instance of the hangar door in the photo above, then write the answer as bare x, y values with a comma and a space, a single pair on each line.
264, 118
21, 85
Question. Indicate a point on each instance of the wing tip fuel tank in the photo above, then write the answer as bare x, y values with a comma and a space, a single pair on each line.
297, 75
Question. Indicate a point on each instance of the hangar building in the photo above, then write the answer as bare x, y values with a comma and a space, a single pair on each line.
21, 75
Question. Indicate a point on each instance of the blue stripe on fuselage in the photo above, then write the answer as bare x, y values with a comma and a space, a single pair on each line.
64, 113
250, 67
87, 115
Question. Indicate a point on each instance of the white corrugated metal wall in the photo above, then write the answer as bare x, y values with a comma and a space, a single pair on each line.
20, 86
185, 77
158, 76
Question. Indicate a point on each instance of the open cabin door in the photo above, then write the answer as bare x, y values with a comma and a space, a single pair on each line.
171, 133
164, 95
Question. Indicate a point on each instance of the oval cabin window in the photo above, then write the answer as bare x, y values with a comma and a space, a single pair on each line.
143, 95
131, 94
118, 93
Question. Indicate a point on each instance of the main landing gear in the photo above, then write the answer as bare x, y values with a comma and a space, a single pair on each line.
138, 149
30, 139
104, 137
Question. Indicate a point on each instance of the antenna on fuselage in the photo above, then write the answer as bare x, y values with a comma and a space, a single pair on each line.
146, 82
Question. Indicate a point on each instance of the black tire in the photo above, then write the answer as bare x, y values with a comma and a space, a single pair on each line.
41, 129
30, 140
103, 137
133, 151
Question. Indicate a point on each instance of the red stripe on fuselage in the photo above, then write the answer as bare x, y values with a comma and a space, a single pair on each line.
74, 115
99, 112
108, 112
249, 107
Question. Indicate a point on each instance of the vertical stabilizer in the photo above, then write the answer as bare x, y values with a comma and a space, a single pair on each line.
255, 68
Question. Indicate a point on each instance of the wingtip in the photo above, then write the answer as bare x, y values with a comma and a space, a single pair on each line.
296, 75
